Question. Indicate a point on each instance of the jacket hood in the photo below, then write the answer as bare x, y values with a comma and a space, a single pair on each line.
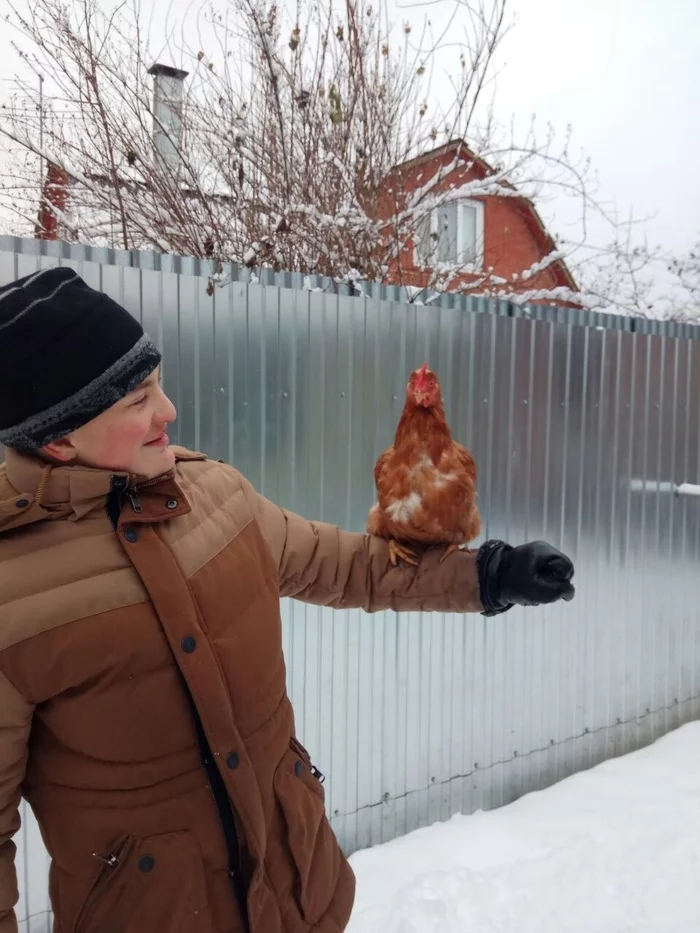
32, 490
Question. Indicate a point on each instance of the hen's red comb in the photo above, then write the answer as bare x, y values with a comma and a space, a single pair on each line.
421, 376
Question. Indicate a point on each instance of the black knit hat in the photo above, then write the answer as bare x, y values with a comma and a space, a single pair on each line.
67, 353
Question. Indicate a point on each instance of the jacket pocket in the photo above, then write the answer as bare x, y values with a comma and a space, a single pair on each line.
311, 841
153, 883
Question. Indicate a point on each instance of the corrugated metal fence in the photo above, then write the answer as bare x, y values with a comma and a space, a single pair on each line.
416, 717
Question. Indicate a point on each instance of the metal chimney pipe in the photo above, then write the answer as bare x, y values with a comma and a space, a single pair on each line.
167, 112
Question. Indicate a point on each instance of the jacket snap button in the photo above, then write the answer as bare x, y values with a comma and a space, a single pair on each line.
22, 503
131, 535
232, 761
188, 644
171, 504
147, 863
299, 768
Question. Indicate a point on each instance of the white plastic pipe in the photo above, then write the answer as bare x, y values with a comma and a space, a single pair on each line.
688, 489
655, 486
652, 485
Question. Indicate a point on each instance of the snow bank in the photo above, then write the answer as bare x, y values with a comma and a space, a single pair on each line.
613, 849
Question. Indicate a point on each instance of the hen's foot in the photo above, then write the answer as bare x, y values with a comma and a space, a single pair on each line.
450, 549
399, 552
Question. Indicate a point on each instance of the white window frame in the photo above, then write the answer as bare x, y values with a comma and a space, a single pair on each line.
422, 263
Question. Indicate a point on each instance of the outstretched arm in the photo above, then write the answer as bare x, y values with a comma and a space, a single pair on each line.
319, 563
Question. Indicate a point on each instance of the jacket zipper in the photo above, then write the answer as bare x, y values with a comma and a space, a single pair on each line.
224, 804
120, 488
300, 750
225, 811
110, 867
321, 778
222, 801
133, 497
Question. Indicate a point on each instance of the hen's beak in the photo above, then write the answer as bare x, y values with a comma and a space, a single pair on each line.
421, 397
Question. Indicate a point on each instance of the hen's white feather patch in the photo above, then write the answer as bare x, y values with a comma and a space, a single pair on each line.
403, 510
442, 479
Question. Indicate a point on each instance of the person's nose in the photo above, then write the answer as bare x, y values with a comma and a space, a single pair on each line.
166, 411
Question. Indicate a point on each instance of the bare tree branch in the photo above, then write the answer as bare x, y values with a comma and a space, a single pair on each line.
297, 121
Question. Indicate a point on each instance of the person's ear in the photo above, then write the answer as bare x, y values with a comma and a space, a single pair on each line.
62, 450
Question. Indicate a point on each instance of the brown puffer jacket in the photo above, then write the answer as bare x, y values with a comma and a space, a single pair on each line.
143, 710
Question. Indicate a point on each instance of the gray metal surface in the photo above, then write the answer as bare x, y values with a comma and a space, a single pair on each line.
580, 434
232, 272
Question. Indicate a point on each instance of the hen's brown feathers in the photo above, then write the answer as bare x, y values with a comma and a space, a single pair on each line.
426, 482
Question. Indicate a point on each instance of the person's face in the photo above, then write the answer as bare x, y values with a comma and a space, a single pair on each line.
130, 437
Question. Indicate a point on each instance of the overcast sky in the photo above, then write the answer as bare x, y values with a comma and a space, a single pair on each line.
624, 73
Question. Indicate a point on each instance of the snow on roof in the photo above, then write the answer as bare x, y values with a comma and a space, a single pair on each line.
527, 209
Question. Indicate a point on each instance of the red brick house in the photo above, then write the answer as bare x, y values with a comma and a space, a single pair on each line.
500, 238
488, 242
54, 199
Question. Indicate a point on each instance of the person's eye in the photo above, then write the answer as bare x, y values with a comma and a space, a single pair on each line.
138, 402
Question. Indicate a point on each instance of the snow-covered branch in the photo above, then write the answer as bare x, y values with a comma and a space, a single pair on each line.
296, 124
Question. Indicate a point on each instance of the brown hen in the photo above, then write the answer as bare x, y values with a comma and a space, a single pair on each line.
426, 482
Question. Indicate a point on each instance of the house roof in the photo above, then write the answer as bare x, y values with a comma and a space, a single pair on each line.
525, 206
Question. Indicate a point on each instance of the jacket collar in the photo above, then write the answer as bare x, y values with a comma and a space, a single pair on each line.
32, 490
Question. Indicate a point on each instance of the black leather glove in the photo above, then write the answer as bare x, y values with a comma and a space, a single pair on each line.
528, 575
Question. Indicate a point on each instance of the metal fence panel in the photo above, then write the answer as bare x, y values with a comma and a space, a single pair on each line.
417, 716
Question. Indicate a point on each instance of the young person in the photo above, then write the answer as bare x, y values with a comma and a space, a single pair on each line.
143, 709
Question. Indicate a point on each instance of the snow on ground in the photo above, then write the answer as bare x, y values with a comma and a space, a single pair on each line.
613, 849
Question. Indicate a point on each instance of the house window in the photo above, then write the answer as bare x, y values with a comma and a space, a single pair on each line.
453, 234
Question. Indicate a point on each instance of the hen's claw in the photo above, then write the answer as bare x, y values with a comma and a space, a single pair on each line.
399, 552
450, 549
